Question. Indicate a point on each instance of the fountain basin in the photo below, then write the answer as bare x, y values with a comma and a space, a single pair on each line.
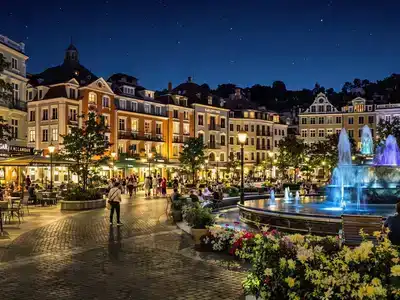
313, 214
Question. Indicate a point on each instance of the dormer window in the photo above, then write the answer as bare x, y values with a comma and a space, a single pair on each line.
129, 90
72, 93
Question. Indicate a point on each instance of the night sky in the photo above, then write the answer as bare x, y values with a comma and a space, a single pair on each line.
215, 41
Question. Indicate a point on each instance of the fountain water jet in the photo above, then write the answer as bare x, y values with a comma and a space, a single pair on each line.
287, 194
367, 144
297, 198
388, 154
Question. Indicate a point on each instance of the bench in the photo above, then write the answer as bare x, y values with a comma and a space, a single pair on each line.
352, 224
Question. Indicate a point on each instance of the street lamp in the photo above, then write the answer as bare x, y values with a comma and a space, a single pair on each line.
113, 155
149, 156
51, 150
242, 137
217, 160
270, 154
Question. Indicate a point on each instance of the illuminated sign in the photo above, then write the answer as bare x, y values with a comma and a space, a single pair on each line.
212, 111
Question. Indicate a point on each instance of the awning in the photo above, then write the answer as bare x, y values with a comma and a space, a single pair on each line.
32, 160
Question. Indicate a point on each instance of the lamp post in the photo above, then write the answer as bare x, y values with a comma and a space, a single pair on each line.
149, 156
113, 155
51, 150
270, 154
217, 160
242, 137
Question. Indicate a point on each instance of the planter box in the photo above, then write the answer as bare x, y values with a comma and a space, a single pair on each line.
197, 234
82, 205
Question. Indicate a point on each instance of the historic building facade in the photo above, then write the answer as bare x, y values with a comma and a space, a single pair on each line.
322, 119
14, 112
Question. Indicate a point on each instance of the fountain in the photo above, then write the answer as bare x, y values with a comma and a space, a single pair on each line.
272, 198
370, 187
287, 194
297, 198
388, 154
367, 143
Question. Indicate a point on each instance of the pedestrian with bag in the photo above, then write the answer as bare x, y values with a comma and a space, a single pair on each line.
114, 200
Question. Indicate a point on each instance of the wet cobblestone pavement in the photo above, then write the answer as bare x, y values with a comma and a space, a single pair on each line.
82, 257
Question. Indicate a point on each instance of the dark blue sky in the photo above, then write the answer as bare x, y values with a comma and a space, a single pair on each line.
215, 41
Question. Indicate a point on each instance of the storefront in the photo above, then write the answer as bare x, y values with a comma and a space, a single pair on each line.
15, 169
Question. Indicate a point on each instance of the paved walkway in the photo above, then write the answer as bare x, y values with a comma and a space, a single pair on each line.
82, 257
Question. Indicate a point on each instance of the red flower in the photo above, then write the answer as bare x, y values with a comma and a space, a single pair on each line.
267, 280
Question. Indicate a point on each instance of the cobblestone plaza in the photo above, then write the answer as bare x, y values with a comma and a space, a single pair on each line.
82, 257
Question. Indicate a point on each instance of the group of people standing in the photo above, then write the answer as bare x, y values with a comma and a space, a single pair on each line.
157, 184
128, 184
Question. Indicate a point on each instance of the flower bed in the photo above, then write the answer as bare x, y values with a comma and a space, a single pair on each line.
311, 267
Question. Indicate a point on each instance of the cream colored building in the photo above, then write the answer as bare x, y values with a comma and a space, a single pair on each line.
322, 119
15, 113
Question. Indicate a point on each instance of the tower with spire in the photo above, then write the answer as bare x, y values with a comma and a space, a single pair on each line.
71, 54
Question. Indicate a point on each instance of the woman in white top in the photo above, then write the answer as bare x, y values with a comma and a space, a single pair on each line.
114, 198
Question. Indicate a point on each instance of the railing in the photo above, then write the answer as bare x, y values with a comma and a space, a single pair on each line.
177, 139
212, 145
388, 105
20, 105
17, 46
139, 109
132, 135
214, 127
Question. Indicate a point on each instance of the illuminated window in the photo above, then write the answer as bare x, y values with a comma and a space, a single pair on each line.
54, 134
175, 128
135, 125
106, 101
92, 98
32, 135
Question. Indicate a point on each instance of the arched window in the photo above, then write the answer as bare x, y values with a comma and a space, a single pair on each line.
211, 157
92, 98
222, 157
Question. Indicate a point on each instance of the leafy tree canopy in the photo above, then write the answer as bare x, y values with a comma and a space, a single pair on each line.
86, 146
192, 157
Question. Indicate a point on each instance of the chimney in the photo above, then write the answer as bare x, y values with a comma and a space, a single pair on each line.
190, 79
169, 86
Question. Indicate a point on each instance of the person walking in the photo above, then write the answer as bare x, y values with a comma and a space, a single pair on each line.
135, 183
27, 182
130, 185
147, 186
164, 187
114, 198
155, 186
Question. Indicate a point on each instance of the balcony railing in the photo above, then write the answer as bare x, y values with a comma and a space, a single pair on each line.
212, 145
20, 105
132, 135
214, 127
141, 110
177, 139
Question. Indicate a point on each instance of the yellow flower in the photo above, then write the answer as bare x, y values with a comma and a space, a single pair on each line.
395, 270
268, 272
376, 282
290, 281
282, 262
296, 238
257, 236
291, 264
377, 234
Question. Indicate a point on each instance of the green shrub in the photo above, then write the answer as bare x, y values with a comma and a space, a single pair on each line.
198, 217
78, 194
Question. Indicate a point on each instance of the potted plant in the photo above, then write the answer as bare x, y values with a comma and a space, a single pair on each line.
198, 218
176, 209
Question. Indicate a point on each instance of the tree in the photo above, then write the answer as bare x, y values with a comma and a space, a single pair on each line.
386, 128
232, 167
6, 96
291, 154
86, 146
192, 156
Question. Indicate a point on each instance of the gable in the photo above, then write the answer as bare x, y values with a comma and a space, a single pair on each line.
100, 85
321, 104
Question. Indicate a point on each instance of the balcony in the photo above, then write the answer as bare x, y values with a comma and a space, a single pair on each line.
261, 147
177, 139
212, 145
214, 127
15, 104
134, 135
